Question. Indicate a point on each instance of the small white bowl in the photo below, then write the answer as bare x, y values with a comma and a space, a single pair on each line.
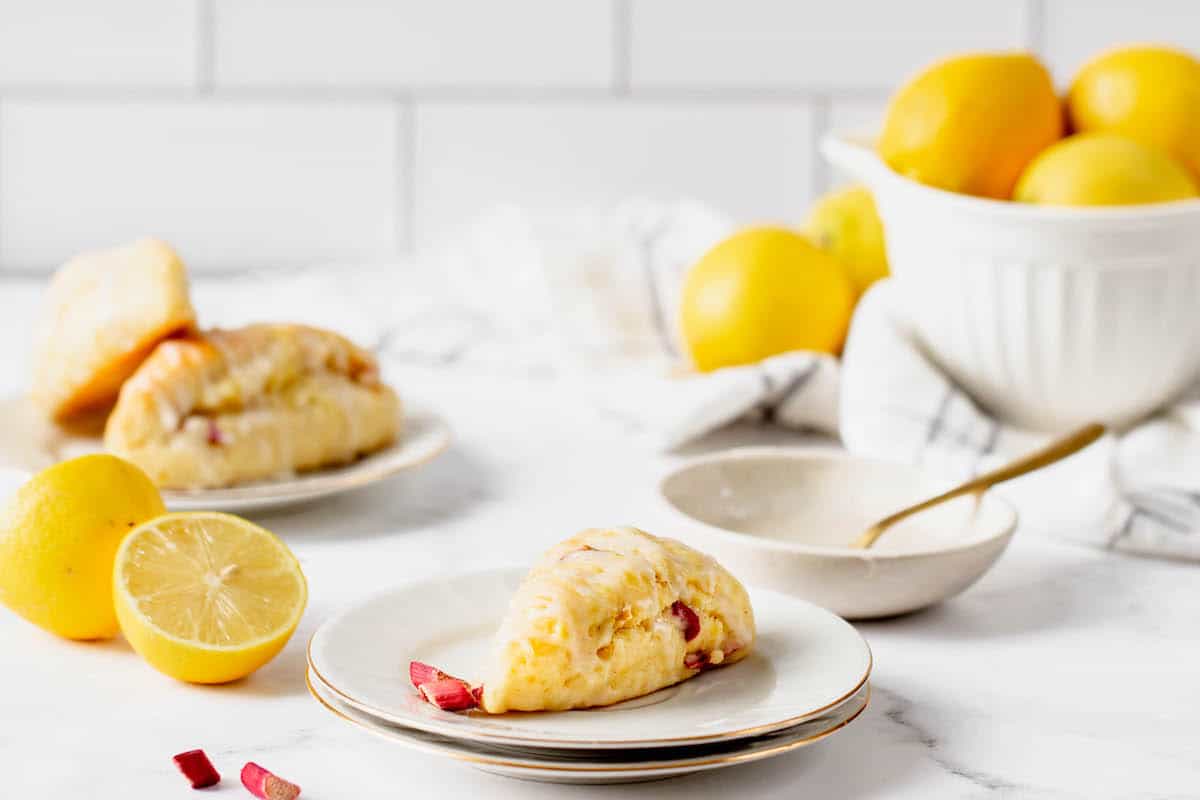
783, 518
1052, 317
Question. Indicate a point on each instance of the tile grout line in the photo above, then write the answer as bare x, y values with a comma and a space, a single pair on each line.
481, 95
206, 46
406, 174
622, 45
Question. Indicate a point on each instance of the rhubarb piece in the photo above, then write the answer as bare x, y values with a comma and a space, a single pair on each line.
449, 694
420, 673
266, 785
477, 694
196, 767
214, 434
695, 660
687, 619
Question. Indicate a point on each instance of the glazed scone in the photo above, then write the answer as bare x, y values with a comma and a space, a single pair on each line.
264, 401
612, 614
104, 312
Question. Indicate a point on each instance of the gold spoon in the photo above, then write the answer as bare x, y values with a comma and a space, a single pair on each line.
1052, 452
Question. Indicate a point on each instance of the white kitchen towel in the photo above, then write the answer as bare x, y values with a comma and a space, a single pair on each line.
592, 298
1139, 492
579, 292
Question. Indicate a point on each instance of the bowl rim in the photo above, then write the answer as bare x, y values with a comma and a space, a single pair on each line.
1003, 531
840, 148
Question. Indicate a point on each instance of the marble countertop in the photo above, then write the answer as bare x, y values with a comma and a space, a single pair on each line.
1064, 673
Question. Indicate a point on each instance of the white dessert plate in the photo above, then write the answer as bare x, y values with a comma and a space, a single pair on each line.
29, 442
804, 662
602, 766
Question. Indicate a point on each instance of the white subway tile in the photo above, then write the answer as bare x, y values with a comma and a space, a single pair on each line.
857, 115
1076, 30
414, 43
751, 160
232, 185
88, 43
778, 44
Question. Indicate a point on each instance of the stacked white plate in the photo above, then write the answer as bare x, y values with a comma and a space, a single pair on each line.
806, 679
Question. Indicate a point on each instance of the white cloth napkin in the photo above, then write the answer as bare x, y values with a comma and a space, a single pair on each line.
1139, 492
592, 297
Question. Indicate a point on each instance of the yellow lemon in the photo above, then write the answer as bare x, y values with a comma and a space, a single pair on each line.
970, 124
845, 224
761, 292
1103, 169
58, 535
207, 597
1151, 94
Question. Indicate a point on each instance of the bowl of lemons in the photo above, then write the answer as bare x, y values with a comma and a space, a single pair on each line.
1046, 245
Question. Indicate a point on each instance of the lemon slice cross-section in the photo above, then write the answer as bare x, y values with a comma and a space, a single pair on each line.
207, 597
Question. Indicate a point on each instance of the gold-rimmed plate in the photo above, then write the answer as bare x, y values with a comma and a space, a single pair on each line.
602, 766
29, 442
805, 662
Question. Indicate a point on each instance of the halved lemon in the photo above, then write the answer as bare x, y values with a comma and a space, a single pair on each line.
207, 597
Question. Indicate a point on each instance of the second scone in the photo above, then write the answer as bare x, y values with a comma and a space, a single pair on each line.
264, 401
104, 312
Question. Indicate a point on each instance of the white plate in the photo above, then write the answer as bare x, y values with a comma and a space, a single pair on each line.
602, 766
805, 661
29, 442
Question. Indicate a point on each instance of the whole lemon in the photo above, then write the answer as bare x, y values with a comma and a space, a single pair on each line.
1151, 94
761, 292
58, 536
845, 224
970, 124
1103, 169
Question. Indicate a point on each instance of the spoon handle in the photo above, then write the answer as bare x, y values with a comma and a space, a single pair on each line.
1055, 451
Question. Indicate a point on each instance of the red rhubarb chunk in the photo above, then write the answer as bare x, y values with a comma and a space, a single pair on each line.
687, 619
196, 767
695, 660
420, 673
477, 694
449, 694
266, 785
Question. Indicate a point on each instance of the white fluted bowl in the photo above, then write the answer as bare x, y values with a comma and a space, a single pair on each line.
1048, 316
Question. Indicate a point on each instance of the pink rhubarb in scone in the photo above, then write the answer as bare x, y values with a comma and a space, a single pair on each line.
609, 615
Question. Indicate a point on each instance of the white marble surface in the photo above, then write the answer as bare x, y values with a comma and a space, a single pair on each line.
1065, 673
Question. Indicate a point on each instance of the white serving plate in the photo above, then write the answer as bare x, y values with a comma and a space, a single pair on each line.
783, 518
804, 662
601, 766
29, 442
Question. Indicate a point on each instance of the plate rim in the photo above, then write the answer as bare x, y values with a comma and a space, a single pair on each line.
685, 766
434, 726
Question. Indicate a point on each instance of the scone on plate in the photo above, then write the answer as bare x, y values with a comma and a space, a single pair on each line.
605, 616
105, 311
264, 401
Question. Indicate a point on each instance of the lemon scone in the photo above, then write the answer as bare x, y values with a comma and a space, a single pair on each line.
263, 401
105, 311
605, 616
